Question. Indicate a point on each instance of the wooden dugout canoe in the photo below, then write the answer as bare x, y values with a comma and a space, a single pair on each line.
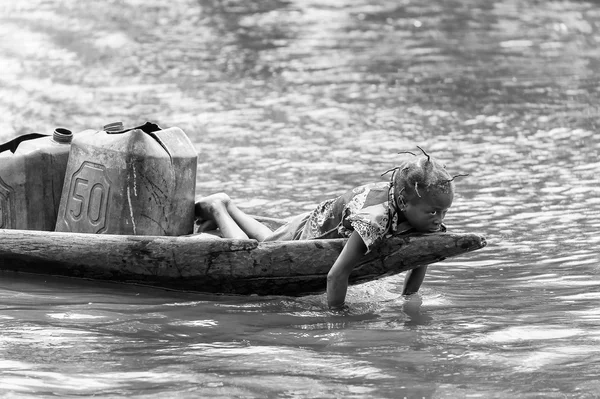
218, 265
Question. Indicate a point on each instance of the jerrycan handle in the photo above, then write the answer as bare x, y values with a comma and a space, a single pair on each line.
149, 128
60, 135
14, 143
117, 128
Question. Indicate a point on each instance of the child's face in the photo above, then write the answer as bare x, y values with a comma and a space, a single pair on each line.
427, 212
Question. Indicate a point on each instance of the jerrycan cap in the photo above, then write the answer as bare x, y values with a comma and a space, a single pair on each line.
114, 128
62, 135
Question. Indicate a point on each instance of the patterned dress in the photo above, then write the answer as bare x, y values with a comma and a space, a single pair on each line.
369, 210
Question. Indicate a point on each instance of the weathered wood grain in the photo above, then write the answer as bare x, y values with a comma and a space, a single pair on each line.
217, 265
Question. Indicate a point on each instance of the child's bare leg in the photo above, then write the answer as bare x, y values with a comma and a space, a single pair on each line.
214, 207
231, 220
251, 226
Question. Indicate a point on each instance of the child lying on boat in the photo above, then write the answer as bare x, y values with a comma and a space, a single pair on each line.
416, 198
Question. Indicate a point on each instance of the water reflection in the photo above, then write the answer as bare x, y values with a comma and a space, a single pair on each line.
292, 102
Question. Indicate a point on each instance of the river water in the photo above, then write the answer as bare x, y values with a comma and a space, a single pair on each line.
289, 102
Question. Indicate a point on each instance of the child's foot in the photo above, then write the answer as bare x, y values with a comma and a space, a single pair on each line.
203, 226
206, 207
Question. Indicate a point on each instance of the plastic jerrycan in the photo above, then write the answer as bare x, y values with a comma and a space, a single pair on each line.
32, 171
138, 181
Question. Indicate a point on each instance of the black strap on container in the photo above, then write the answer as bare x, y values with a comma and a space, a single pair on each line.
14, 143
149, 128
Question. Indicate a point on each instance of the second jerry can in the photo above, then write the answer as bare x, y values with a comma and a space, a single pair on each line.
32, 170
138, 181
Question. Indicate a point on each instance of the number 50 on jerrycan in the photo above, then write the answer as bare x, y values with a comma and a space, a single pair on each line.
139, 181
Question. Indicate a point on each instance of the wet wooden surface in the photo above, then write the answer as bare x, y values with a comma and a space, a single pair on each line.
202, 263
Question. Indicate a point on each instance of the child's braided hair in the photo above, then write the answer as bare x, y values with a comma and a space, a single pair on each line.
415, 177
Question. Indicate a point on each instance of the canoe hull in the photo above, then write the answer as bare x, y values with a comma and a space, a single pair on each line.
217, 265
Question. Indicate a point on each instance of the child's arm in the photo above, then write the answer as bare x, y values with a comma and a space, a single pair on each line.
337, 278
414, 279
